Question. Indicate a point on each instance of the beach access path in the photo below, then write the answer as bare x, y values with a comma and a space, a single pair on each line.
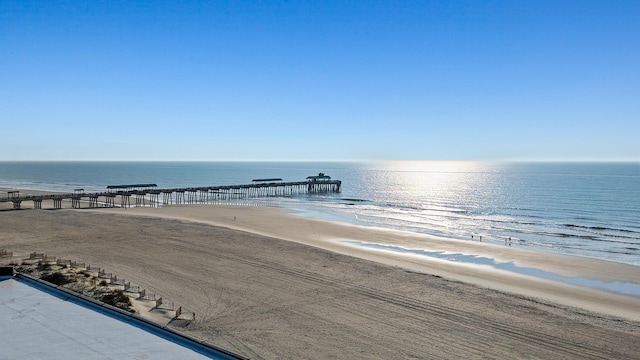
271, 286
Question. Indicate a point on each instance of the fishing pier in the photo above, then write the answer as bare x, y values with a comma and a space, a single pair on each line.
151, 195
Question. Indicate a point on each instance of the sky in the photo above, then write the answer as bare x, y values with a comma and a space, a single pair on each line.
320, 80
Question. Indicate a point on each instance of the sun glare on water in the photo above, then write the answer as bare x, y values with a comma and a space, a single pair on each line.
435, 179
430, 194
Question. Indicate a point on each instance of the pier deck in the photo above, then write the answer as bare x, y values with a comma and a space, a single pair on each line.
114, 197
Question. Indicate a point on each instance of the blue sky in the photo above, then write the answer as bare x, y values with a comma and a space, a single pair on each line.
320, 80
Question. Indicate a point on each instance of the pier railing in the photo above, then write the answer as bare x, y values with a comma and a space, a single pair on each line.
189, 195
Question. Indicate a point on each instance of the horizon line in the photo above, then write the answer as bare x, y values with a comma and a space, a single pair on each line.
342, 160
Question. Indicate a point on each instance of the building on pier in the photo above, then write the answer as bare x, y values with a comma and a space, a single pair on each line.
131, 187
319, 177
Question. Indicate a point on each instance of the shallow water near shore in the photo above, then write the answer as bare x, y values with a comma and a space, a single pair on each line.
620, 287
583, 209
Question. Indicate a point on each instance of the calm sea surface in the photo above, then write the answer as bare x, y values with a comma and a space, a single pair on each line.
585, 209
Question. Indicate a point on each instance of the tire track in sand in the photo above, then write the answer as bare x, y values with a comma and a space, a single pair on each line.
425, 311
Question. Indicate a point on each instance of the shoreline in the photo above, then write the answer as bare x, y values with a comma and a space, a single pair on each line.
266, 297
565, 279
411, 241
332, 236
592, 250
67, 204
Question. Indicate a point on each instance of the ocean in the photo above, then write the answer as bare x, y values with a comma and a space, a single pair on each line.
582, 209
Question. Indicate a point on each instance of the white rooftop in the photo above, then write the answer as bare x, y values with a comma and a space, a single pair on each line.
38, 322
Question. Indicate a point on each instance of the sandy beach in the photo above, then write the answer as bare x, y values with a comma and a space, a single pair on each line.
269, 285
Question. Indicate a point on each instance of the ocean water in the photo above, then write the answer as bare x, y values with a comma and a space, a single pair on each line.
583, 209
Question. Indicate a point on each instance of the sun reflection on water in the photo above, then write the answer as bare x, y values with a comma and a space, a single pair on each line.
430, 195
420, 182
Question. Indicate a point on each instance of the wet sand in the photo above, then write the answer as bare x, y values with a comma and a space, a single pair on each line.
268, 285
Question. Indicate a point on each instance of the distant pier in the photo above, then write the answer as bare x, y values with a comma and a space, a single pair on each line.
149, 194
